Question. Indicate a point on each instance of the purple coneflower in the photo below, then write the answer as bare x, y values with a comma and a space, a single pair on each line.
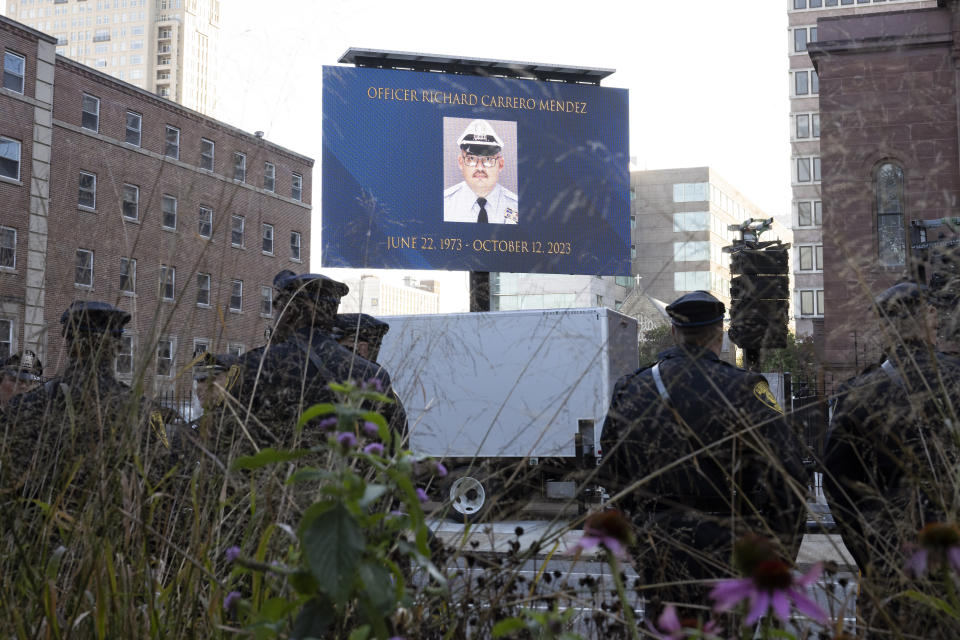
231, 600
371, 429
374, 448
942, 542
609, 529
771, 584
231, 554
347, 439
327, 423
671, 627
422, 495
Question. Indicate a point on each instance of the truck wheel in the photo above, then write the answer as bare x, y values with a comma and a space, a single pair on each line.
470, 492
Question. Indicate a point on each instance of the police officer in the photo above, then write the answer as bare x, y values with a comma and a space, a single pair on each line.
479, 197
294, 370
705, 454
18, 374
892, 453
362, 331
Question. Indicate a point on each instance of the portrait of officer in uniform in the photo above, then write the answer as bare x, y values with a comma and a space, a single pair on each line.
480, 197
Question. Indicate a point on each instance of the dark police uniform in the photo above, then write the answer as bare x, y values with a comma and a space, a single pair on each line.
718, 453
891, 456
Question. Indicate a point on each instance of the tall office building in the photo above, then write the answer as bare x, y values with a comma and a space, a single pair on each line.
168, 47
807, 206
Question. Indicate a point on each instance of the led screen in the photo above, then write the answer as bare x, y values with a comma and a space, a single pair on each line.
441, 171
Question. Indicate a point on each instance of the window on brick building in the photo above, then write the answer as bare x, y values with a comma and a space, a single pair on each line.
239, 167
83, 269
266, 301
10, 158
295, 245
809, 214
203, 289
236, 231
811, 302
6, 337
134, 128
128, 275
269, 176
207, 149
810, 257
168, 205
236, 295
267, 236
90, 113
296, 187
123, 363
168, 282
166, 353
87, 195
8, 248
14, 70
172, 143
131, 202
891, 244
235, 348
205, 222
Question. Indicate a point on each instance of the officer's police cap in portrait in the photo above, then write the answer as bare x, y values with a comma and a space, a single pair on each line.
479, 139
26, 367
315, 286
696, 309
900, 299
93, 317
369, 327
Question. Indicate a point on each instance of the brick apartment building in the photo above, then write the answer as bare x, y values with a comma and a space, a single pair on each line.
889, 146
109, 192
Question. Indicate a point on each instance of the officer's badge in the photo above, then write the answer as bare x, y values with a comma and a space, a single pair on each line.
511, 216
762, 391
156, 423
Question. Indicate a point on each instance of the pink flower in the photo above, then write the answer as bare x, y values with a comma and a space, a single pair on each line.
609, 529
672, 628
771, 584
374, 448
939, 544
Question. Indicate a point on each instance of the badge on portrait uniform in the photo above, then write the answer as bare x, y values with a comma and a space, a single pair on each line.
511, 215
762, 391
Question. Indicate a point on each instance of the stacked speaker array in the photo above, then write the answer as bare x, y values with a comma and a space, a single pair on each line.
760, 293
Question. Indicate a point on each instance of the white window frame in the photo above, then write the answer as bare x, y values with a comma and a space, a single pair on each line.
269, 176
130, 277
295, 235
135, 190
233, 294
8, 73
296, 187
6, 232
168, 145
233, 220
165, 199
168, 274
85, 101
128, 130
7, 337
204, 156
816, 212
266, 301
810, 75
201, 222
812, 117
266, 236
239, 166
808, 5
200, 342
90, 190
172, 367
809, 36
203, 278
77, 282
813, 253
235, 348
126, 338
813, 166
816, 298
19, 159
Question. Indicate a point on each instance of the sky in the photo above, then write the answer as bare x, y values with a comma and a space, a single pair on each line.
707, 79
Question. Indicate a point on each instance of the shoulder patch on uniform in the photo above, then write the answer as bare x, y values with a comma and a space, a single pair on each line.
511, 215
762, 391
156, 423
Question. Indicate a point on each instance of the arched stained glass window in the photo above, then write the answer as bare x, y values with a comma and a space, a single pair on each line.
890, 210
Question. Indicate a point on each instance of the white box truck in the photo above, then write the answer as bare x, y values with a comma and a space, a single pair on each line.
489, 390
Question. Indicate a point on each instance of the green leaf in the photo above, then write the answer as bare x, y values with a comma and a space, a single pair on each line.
313, 620
275, 609
313, 511
304, 582
315, 411
932, 602
361, 633
265, 457
379, 587
371, 494
309, 474
508, 626
332, 545
375, 418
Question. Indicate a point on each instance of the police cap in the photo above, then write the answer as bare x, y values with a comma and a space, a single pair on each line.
696, 309
479, 139
25, 367
900, 299
368, 327
93, 317
312, 285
